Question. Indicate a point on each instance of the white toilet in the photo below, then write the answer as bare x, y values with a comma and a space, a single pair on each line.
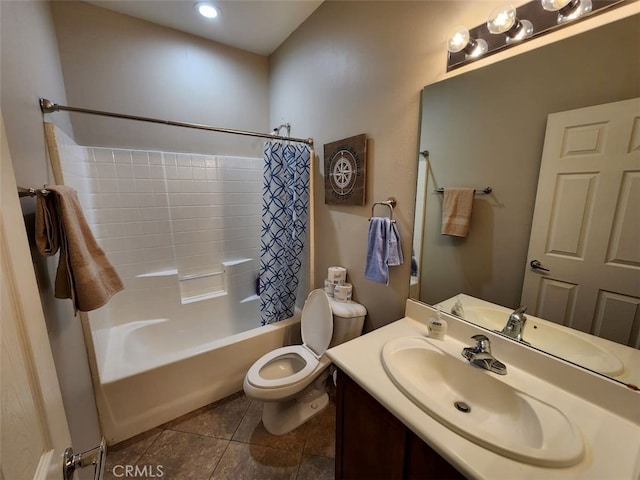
291, 380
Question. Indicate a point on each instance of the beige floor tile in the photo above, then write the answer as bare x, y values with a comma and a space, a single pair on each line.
196, 446
242, 461
251, 430
183, 456
321, 433
314, 467
219, 420
128, 452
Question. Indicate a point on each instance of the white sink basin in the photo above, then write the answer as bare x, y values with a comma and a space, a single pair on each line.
501, 418
551, 338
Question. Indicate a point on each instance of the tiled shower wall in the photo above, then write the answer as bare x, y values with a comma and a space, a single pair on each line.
179, 228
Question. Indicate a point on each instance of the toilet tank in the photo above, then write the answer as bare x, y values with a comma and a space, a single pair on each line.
348, 320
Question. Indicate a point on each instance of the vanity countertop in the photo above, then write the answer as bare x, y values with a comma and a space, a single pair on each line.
609, 420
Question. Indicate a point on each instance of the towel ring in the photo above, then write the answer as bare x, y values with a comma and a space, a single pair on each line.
391, 202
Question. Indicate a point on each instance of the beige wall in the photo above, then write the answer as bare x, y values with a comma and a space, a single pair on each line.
30, 68
118, 63
359, 67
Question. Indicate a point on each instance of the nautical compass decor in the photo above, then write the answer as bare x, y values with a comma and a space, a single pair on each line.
345, 171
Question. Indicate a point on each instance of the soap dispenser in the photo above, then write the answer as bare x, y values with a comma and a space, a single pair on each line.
457, 309
437, 326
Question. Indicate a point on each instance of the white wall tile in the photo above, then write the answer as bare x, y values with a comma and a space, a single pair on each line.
106, 170
141, 171
183, 159
103, 155
122, 156
123, 170
142, 203
139, 157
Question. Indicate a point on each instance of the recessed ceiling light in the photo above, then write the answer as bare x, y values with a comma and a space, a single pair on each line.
206, 9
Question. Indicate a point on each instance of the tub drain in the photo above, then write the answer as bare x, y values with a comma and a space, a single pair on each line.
463, 407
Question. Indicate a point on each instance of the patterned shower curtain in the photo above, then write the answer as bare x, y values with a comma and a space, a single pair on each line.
285, 205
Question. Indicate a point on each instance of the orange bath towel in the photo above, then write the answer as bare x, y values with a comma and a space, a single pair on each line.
456, 211
84, 273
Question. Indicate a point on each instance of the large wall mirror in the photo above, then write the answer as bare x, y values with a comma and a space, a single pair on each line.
490, 128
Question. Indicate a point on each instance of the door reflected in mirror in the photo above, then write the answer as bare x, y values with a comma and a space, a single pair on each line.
488, 127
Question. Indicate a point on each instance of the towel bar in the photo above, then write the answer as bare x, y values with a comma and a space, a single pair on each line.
31, 192
477, 191
391, 202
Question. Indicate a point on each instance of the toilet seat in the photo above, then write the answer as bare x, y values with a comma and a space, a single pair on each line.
317, 330
257, 380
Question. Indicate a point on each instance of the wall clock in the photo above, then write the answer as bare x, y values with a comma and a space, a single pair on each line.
345, 171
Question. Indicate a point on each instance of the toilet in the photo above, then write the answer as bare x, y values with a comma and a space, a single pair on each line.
291, 380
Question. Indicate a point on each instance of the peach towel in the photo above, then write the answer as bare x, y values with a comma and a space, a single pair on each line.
84, 273
456, 211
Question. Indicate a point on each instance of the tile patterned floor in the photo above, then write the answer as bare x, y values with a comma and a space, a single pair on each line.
227, 441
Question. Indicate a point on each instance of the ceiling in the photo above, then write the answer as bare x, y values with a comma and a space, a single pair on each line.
258, 26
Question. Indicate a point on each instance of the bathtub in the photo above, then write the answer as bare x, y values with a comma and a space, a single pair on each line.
148, 372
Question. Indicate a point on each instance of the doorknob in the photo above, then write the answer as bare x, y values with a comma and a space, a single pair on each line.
535, 264
95, 457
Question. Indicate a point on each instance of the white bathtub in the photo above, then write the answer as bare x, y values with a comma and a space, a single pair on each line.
154, 370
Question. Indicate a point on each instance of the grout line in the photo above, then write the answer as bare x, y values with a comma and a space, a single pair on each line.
149, 447
220, 459
244, 414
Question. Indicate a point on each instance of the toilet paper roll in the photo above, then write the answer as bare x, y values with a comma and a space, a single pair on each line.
329, 287
337, 275
342, 293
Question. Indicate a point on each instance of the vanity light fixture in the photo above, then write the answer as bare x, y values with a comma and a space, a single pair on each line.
206, 9
568, 9
461, 41
503, 20
508, 26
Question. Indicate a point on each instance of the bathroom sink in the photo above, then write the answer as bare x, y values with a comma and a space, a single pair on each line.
551, 338
479, 406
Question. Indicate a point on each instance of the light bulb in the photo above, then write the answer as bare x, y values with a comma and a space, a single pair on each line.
504, 20
583, 7
480, 47
206, 10
461, 41
567, 9
555, 5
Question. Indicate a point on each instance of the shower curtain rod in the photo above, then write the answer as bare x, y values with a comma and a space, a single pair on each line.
48, 106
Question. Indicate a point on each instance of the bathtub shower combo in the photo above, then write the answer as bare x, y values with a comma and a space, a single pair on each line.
184, 233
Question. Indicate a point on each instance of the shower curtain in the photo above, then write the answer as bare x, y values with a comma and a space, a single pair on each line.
285, 205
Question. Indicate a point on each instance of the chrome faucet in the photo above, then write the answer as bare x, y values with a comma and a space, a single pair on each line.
515, 324
480, 356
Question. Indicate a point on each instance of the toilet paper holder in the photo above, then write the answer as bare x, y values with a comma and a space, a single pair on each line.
390, 202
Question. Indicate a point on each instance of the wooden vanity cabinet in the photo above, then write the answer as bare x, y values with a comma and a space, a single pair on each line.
373, 444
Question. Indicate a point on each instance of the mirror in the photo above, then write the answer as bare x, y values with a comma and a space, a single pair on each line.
486, 128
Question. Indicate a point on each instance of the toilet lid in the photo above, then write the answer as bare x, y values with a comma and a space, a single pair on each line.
317, 322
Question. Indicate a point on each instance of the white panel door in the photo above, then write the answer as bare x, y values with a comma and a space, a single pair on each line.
586, 223
34, 430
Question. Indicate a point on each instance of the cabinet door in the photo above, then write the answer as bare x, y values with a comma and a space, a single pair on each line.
370, 441
372, 444
423, 463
